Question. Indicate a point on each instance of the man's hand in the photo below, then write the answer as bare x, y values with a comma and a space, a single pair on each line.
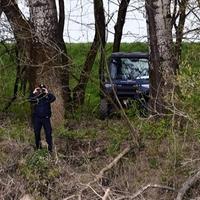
36, 90
45, 90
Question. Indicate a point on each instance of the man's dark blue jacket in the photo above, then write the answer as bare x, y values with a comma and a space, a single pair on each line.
42, 107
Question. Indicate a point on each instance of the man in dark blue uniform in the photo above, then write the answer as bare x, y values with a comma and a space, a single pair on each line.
41, 100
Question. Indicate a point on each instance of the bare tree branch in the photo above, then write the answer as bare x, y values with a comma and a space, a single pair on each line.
114, 162
192, 30
20, 26
142, 190
99, 176
186, 185
106, 195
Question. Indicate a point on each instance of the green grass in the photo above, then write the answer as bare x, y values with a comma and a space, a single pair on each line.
20, 108
7, 75
77, 53
163, 139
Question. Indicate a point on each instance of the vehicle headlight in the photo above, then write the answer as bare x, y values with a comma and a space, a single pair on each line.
108, 85
145, 85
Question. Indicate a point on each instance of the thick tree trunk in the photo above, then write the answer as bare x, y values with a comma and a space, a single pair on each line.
99, 41
101, 30
45, 69
64, 71
46, 53
162, 60
79, 90
41, 48
120, 24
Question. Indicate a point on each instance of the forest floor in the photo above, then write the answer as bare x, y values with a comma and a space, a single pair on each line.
82, 150
168, 155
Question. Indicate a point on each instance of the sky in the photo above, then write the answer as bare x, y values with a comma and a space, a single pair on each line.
79, 25
79, 20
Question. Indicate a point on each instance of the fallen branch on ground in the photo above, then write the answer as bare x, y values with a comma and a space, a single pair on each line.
142, 190
114, 162
186, 185
101, 173
106, 194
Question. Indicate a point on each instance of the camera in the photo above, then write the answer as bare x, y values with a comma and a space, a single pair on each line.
41, 90
38, 90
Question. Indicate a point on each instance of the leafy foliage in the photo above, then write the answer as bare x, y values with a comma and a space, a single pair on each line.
189, 81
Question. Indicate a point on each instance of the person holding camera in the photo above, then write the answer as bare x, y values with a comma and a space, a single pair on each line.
41, 99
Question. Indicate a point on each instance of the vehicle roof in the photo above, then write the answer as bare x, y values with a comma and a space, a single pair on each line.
129, 55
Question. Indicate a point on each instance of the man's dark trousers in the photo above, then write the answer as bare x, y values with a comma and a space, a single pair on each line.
46, 124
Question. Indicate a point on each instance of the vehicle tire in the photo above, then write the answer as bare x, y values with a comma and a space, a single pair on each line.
103, 108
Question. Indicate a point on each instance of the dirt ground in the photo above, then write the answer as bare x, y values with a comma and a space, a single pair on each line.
72, 170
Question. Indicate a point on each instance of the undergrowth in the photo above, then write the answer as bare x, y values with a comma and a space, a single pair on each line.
87, 144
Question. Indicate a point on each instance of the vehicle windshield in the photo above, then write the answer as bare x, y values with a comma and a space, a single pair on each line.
129, 68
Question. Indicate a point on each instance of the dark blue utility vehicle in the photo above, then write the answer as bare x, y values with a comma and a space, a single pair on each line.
127, 80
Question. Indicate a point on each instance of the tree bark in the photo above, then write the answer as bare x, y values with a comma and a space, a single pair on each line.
42, 49
162, 60
181, 16
120, 24
46, 55
79, 90
101, 30
65, 61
